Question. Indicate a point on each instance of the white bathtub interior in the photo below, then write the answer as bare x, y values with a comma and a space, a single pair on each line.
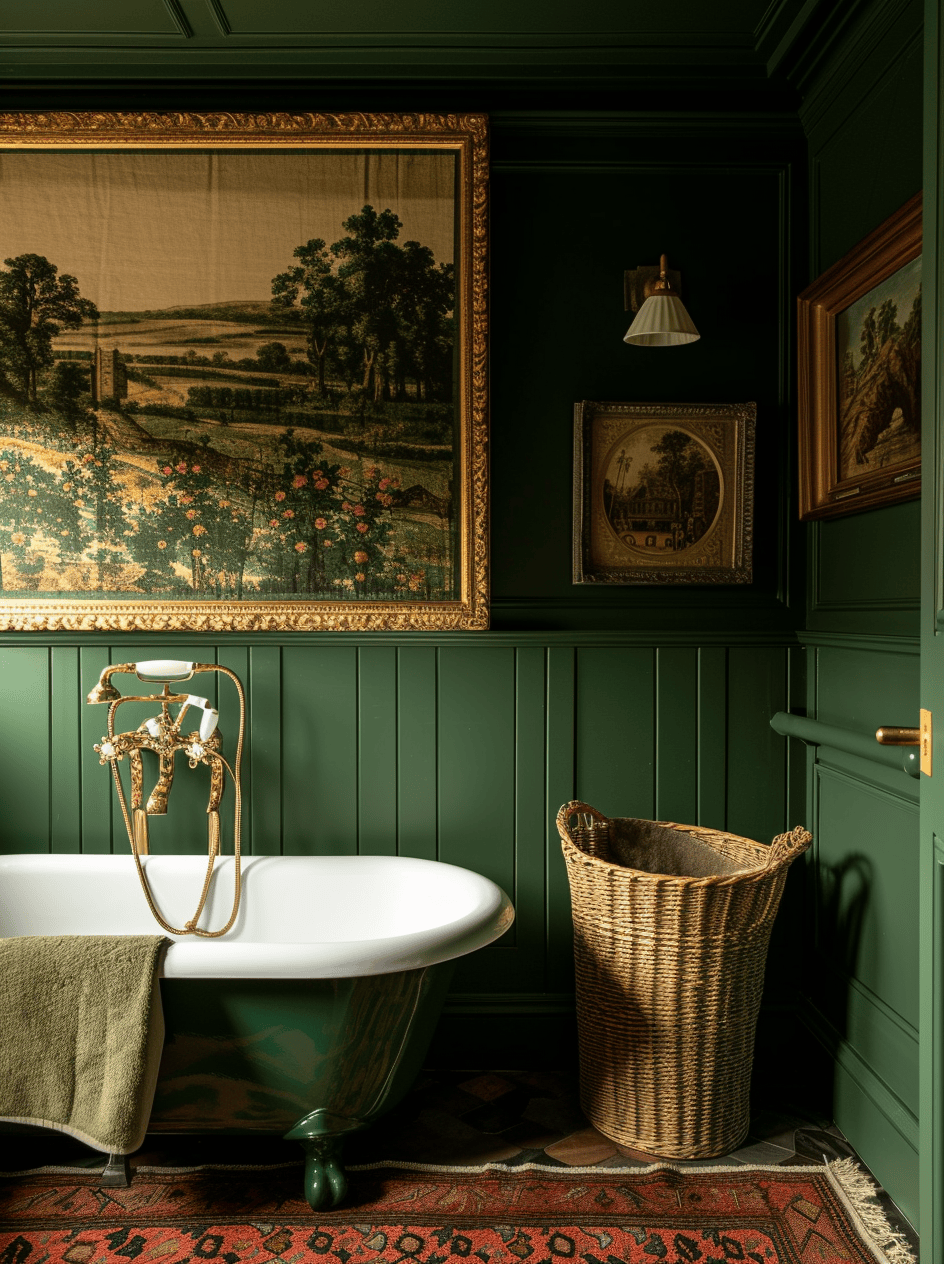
300, 916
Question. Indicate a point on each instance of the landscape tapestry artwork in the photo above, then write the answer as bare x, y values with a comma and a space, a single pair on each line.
232, 376
878, 354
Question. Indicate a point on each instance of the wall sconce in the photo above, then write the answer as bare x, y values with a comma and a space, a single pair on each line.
661, 319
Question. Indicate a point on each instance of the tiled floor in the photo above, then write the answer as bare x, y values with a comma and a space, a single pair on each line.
469, 1118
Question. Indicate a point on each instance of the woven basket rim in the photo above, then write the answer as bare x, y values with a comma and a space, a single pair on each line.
670, 879
765, 867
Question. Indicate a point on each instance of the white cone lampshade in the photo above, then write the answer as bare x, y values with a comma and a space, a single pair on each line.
662, 321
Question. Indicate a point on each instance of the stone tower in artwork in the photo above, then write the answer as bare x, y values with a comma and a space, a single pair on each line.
109, 379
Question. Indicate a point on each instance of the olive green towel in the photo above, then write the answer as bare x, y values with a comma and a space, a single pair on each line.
81, 1033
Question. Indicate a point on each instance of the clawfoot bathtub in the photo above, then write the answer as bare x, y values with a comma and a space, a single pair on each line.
311, 1017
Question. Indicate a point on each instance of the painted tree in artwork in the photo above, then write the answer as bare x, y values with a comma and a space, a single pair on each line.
886, 322
382, 311
868, 339
423, 306
36, 304
311, 291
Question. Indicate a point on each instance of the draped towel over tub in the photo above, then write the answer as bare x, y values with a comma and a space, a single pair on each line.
81, 1033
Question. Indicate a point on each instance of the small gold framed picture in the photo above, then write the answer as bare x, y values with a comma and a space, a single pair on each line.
663, 493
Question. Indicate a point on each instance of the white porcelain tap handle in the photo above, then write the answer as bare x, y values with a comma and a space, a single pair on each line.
208, 723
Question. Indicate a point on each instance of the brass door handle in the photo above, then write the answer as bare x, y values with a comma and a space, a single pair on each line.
893, 735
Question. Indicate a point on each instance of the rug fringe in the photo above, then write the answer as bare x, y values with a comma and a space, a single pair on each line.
859, 1193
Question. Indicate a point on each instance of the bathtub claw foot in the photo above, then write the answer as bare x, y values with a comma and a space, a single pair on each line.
325, 1181
116, 1173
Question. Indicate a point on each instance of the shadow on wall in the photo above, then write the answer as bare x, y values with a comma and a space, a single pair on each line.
832, 952
844, 897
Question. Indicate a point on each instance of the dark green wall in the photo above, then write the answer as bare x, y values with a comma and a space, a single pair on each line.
643, 700
863, 114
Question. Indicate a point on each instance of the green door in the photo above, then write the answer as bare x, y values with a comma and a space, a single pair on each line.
931, 887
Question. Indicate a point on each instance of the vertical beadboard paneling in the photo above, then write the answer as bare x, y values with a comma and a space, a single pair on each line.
526, 969
377, 750
757, 689
712, 737
561, 788
65, 796
319, 751
417, 754
616, 730
477, 760
477, 775
265, 759
24, 747
677, 734
236, 658
98, 788
462, 751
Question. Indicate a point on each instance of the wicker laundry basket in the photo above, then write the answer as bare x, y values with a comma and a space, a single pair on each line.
671, 926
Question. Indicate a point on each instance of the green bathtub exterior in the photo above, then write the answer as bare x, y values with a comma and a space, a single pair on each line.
308, 1059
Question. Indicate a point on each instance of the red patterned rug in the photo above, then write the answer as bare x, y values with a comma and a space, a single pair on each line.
423, 1215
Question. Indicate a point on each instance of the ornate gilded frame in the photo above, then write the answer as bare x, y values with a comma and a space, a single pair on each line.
466, 135
823, 494
610, 551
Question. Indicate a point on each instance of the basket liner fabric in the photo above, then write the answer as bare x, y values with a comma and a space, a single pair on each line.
651, 847
671, 928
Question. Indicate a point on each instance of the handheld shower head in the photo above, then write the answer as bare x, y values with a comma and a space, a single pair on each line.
105, 691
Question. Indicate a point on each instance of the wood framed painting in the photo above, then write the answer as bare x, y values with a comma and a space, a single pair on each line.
663, 493
859, 349
242, 371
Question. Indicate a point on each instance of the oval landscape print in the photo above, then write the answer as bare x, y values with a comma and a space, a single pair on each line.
661, 490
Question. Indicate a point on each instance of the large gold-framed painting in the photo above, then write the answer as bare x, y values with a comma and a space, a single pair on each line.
242, 371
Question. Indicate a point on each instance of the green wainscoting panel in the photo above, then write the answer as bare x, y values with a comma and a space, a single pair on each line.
264, 687
677, 734
319, 751
893, 1160
867, 858
561, 788
862, 690
25, 748
97, 787
477, 776
880, 1037
616, 730
417, 761
460, 749
864, 573
236, 658
377, 750
861, 961
65, 800
477, 760
526, 969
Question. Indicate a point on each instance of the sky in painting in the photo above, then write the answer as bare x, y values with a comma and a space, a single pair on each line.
636, 449
160, 228
901, 287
